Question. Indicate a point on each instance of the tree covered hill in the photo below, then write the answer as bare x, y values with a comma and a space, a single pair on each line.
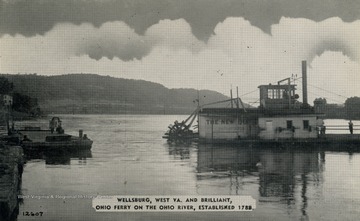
90, 93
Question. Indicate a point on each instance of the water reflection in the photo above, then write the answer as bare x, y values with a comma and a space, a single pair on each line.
60, 157
280, 169
283, 174
290, 178
9, 208
226, 159
180, 150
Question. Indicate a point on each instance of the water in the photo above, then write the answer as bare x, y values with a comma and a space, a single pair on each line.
129, 157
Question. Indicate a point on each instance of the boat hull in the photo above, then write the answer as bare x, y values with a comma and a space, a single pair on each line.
44, 140
71, 145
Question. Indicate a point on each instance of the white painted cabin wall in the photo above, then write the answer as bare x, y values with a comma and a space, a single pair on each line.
300, 132
221, 127
229, 128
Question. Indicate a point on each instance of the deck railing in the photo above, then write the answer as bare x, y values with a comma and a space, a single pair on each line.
330, 128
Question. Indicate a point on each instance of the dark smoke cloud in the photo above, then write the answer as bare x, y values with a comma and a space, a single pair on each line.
29, 18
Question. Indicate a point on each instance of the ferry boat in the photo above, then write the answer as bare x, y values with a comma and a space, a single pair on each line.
54, 138
280, 118
44, 140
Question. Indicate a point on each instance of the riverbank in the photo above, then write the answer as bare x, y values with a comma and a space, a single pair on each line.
11, 168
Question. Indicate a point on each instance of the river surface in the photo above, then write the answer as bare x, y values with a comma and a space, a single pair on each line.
129, 157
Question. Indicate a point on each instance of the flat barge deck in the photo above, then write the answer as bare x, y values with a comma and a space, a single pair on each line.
44, 140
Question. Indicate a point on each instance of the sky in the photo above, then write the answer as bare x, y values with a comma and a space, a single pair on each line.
201, 44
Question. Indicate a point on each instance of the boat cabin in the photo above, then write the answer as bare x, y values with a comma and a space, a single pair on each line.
278, 96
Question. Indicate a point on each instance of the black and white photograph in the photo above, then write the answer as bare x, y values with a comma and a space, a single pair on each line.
179, 110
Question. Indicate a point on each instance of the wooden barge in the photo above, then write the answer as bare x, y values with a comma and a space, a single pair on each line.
44, 140
52, 139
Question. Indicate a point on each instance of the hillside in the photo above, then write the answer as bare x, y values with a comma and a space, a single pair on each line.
90, 93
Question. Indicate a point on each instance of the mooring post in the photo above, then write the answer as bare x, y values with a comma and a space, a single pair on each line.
80, 133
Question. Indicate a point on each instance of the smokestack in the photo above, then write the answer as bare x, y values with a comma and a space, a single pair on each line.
304, 83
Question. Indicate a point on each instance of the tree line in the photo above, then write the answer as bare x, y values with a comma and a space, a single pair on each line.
349, 110
21, 103
97, 94
352, 108
89, 93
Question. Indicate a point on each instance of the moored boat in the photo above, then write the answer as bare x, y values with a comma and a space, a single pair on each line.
280, 119
35, 138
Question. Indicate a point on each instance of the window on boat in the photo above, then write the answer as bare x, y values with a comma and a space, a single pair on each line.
306, 124
282, 93
276, 93
270, 93
289, 124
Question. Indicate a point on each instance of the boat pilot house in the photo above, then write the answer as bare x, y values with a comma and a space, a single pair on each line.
279, 116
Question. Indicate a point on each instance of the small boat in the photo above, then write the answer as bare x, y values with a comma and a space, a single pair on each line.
35, 138
56, 141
